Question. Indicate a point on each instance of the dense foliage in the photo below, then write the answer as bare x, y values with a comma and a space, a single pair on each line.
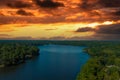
11, 54
104, 63
61, 42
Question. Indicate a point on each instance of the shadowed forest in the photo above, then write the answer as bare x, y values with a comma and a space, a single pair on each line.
12, 54
104, 63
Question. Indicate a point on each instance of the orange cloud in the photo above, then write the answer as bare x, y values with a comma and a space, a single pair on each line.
56, 18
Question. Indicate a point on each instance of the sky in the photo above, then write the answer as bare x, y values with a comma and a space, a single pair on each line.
60, 19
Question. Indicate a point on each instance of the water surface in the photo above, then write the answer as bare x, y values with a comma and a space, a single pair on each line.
56, 62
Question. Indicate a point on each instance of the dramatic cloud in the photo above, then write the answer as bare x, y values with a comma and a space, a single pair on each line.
48, 11
103, 10
85, 29
117, 13
109, 3
102, 29
48, 3
24, 13
18, 4
88, 5
108, 29
92, 18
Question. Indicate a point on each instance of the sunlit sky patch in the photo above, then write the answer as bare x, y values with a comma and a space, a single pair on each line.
60, 19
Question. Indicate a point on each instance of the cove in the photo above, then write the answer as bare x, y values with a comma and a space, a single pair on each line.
55, 62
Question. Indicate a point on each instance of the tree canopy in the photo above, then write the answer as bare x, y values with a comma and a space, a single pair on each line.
11, 54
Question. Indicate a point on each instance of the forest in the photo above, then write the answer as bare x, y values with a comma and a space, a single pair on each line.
14, 53
104, 63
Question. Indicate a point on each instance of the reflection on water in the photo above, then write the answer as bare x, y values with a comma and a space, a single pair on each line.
56, 62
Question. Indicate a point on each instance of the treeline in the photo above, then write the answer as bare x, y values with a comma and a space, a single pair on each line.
11, 54
104, 63
60, 42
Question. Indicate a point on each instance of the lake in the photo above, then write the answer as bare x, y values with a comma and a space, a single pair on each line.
55, 62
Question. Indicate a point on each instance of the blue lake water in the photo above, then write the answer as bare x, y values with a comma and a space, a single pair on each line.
55, 62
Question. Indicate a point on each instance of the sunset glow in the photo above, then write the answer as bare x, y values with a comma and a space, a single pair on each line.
56, 19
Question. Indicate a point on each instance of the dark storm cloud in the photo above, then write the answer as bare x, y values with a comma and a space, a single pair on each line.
85, 5
96, 4
103, 32
86, 29
18, 4
104, 9
83, 11
109, 3
24, 13
117, 13
108, 29
102, 29
99, 10
48, 3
